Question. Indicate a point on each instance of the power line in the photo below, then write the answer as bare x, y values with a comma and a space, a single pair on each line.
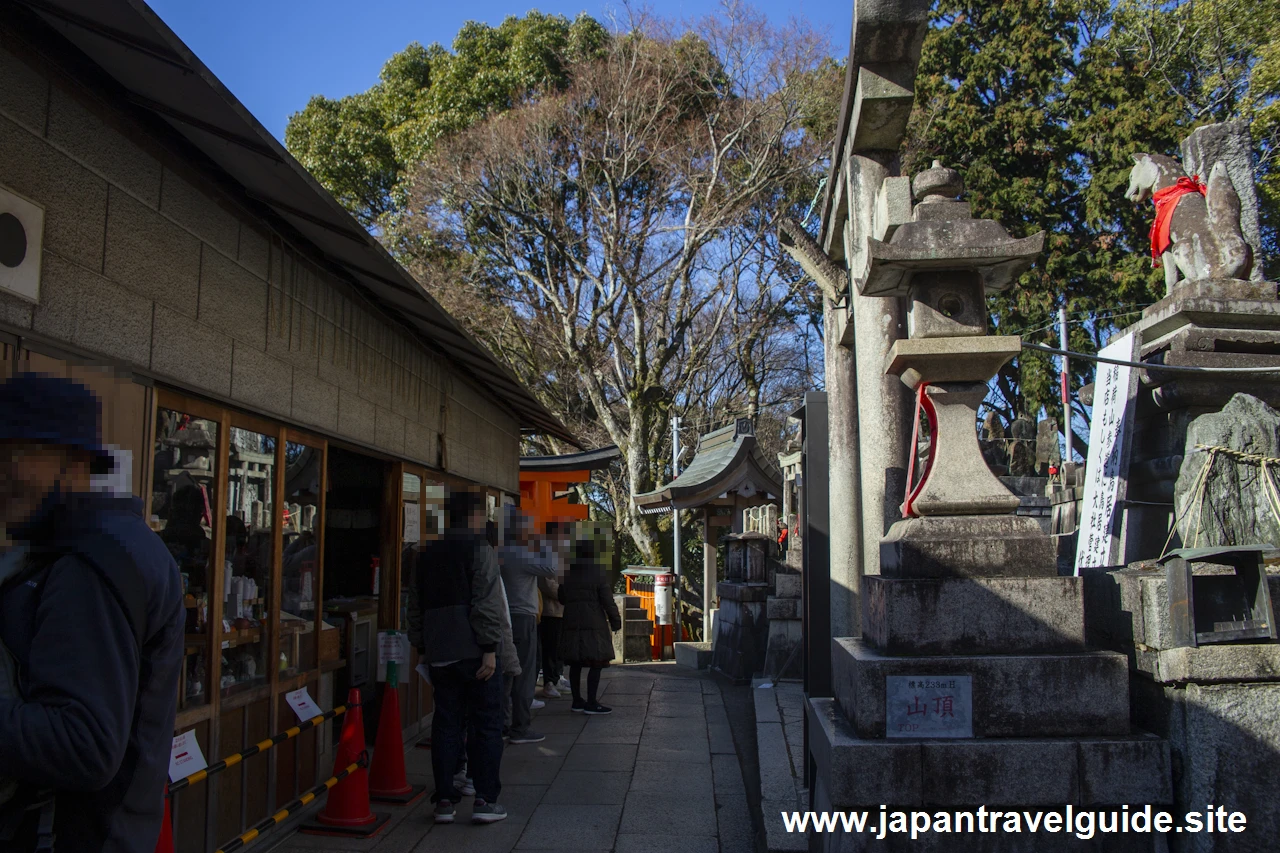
1149, 365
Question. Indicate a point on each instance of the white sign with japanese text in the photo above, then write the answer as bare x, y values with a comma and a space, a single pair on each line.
928, 705
412, 522
185, 757
1107, 469
393, 646
303, 705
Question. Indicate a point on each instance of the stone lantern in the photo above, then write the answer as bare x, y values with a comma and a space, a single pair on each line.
959, 519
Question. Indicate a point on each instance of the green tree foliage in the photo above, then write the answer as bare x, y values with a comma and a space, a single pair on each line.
362, 147
1040, 104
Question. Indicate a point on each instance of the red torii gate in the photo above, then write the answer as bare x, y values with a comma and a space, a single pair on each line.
544, 481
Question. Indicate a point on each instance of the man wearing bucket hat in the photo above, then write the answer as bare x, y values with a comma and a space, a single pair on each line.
92, 617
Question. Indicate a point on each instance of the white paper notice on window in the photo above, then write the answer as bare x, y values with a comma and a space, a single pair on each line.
302, 704
393, 646
412, 522
1107, 469
185, 757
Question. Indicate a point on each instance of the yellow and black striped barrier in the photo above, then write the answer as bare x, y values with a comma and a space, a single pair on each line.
266, 825
261, 746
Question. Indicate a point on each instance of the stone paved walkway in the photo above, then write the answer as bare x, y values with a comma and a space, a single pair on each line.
659, 773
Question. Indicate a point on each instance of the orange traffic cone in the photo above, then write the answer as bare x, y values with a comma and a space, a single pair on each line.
164, 844
387, 780
347, 810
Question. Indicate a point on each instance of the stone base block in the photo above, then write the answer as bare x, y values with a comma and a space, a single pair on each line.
945, 616
693, 655
742, 591
637, 648
1225, 740
1211, 664
784, 608
782, 658
1128, 610
967, 546
1018, 696
787, 585
742, 635
1084, 771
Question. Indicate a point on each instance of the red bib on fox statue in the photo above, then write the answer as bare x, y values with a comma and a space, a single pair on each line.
1166, 201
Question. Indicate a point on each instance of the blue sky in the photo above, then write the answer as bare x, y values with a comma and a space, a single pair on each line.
275, 54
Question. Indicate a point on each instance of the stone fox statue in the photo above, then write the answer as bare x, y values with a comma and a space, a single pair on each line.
1197, 227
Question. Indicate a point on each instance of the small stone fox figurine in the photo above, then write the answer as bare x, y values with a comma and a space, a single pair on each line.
1197, 227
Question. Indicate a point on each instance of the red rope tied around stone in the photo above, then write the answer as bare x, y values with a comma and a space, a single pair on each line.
1166, 201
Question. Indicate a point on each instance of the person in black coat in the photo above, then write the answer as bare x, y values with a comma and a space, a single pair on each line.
590, 614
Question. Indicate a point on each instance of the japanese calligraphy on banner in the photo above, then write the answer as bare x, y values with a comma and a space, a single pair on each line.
928, 705
1107, 469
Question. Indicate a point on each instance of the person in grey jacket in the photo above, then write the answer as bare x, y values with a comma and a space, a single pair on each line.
523, 563
461, 619
94, 621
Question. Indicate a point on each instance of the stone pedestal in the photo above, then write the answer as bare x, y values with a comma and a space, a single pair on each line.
742, 630
971, 683
1217, 706
1216, 323
635, 641
785, 610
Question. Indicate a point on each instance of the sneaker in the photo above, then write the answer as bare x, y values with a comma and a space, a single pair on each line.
467, 788
564, 685
549, 691
487, 812
528, 737
537, 705
444, 812
578, 706
597, 708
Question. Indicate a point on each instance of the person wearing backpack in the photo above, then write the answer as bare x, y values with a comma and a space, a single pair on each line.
93, 622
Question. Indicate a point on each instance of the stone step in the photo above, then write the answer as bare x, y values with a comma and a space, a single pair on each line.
693, 655
633, 601
854, 773
638, 627
1061, 695
636, 613
942, 616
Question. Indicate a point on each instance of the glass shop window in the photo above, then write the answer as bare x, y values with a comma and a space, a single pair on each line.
246, 570
182, 500
300, 574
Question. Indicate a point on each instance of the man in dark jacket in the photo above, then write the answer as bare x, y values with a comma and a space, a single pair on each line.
462, 617
94, 621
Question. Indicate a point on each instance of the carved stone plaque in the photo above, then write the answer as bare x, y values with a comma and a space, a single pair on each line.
929, 706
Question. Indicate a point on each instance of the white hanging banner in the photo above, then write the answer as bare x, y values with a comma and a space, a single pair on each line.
303, 705
1107, 468
185, 757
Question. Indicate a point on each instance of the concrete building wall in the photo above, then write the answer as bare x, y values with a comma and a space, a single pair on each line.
148, 263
